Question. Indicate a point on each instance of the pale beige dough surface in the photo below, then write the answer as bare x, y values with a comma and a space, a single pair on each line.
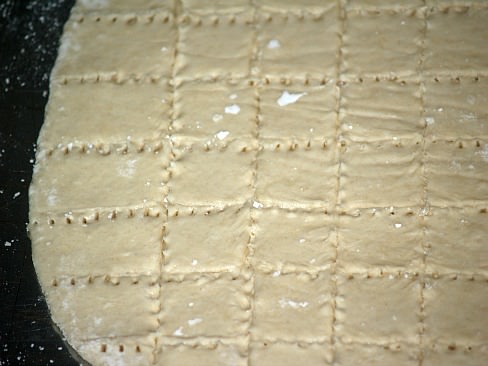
123, 47
312, 116
111, 103
456, 109
293, 240
203, 109
381, 111
366, 240
267, 182
206, 239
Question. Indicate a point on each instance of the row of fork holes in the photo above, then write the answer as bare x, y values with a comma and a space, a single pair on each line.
85, 221
103, 348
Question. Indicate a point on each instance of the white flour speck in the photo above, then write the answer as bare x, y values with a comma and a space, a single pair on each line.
195, 321
217, 117
8, 244
429, 120
232, 109
257, 204
289, 98
292, 304
233, 96
194, 262
274, 43
222, 135
178, 332
398, 226
16, 194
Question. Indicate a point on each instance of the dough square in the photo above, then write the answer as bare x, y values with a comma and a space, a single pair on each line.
206, 305
292, 307
384, 4
381, 43
379, 309
381, 174
221, 49
210, 110
373, 355
136, 350
293, 239
380, 238
447, 47
456, 109
272, 354
457, 172
211, 354
139, 175
313, 115
446, 355
88, 310
456, 239
123, 5
69, 247
110, 116
287, 5
206, 242
131, 45
217, 176
216, 6
289, 46
455, 311
372, 111
301, 176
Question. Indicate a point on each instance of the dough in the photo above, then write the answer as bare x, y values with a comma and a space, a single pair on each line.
267, 183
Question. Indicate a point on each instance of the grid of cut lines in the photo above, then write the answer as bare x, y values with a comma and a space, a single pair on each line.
359, 193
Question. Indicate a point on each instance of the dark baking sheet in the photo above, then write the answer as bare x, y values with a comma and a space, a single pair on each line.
29, 36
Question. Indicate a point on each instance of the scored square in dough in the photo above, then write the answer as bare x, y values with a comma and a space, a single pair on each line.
216, 6
292, 307
456, 172
378, 309
296, 177
271, 354
313, 115
76, 249
217, 353
380, 43
100, 317
456, 108
455, 311
217, 47
139, 175
381, 174
123, 5
203, 109
104, 112
292, 5
374, 355
289, 46
383, 4
456, 40
217, 176
456, 240
384, 110
380, 238
206, 242
131, 45
293, 239
205, 305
